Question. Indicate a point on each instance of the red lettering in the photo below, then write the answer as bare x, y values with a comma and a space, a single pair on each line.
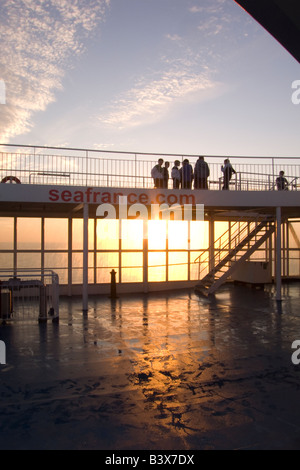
53, 195
78, 196
88, 193
129, 198
187, 199
95, 195
143, 198
106, 198
172, 199
158, 200
66, 196
116, 197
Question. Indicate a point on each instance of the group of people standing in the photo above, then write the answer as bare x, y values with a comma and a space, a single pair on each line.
185, 176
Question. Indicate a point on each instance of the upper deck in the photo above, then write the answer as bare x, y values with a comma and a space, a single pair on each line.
58, 181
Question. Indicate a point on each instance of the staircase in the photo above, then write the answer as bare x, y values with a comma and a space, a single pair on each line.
230, 250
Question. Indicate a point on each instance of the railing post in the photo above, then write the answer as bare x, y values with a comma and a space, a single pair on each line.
86, 166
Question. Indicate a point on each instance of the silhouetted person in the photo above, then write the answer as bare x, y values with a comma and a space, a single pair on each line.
201, 173
187, 175
228, 171
175, 175
157, 174
281, 182
166, 175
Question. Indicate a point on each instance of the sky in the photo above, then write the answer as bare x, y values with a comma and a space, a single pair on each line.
164, 76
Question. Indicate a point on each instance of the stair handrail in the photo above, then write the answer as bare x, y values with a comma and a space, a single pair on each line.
237, 233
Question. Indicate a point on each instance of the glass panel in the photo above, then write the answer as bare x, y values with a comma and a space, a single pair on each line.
178, 234
157, 233
29, 260
77, 260
220, 229
194, 267
294, 263
77, 268
56, 234
132, 267
107, 234
7, 233
106, 262
77, 276
294, 235
199, 235
132, 234
157, 267
56, 260
77, 234
178, 266
28, 234
6, 260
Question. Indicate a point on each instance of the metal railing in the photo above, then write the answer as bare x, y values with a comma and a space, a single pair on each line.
226, 245
29, 294
99, 168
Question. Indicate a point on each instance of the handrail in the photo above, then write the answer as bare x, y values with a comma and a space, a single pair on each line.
114, 168
229, 242
124, 152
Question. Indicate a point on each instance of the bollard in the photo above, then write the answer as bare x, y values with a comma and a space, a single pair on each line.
113, 286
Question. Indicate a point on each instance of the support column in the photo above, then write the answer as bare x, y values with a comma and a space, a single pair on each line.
278, 254
70, 261
211, 242
145, 255
15, 245
85, 257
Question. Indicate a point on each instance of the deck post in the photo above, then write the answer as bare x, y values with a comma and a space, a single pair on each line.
278, 254
211, 242
85, 257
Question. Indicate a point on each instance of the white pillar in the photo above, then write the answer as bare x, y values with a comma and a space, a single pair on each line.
85, 257
145, 255
211, 242
70, 261
278, 253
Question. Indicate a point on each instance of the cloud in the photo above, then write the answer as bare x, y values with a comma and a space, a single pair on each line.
39, 41
190, 60
152, 99
173, 37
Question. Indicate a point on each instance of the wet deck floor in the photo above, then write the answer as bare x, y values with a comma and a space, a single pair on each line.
157, 372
